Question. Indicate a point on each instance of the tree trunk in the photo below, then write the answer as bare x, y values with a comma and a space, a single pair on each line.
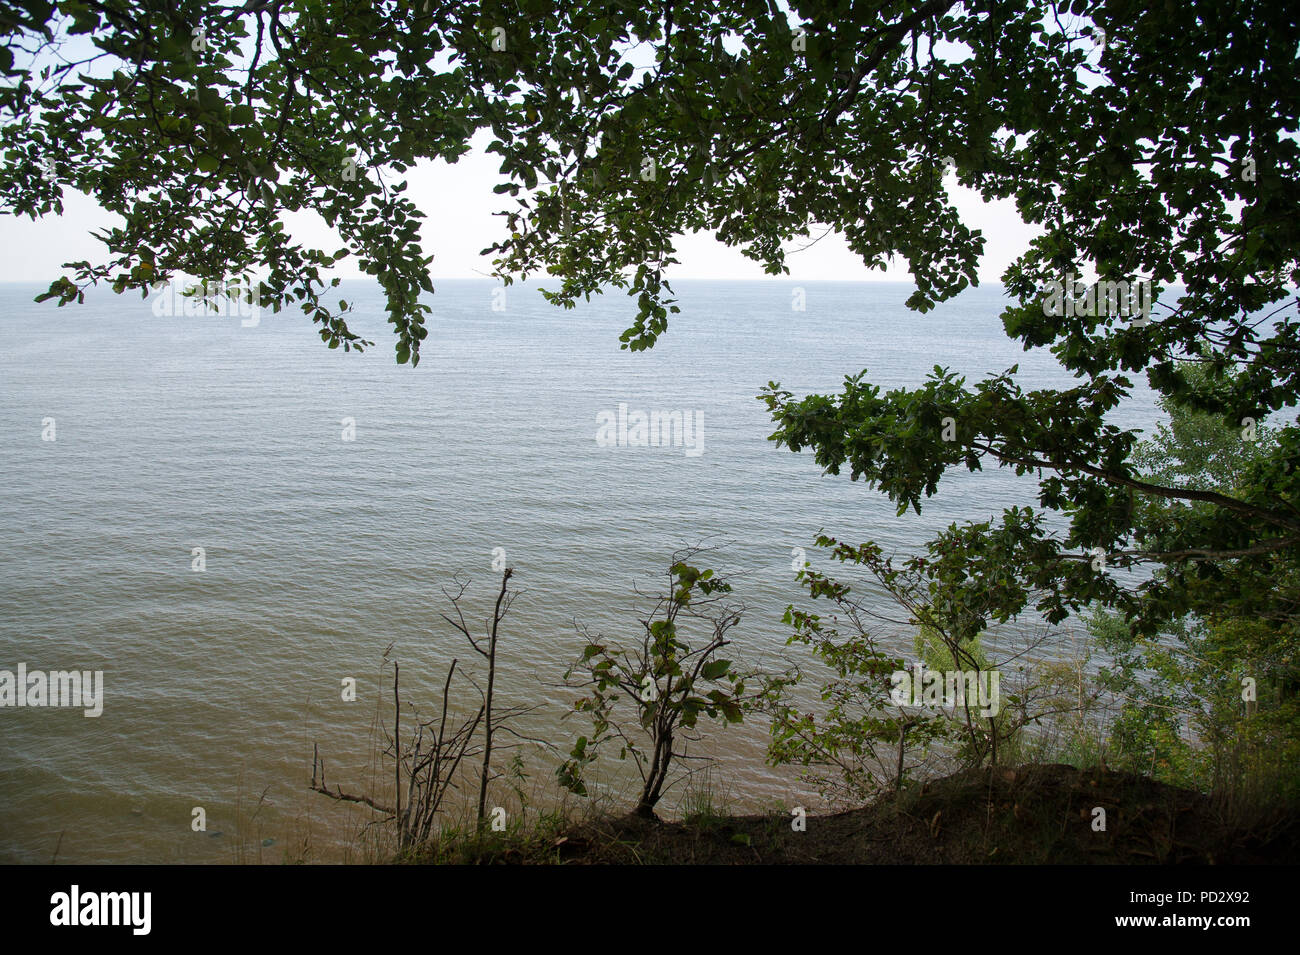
487, 706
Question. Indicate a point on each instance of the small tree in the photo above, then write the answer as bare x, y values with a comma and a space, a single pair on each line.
487, 649
427, 764
648, 699
861, 743
865, 740
939, 596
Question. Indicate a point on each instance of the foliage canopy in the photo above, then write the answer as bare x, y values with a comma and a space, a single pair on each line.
1149, 142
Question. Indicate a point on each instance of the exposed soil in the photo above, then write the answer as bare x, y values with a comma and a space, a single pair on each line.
1033, 814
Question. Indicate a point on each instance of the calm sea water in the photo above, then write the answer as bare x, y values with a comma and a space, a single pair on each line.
174, 433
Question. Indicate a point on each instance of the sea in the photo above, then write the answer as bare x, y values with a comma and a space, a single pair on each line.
242, 530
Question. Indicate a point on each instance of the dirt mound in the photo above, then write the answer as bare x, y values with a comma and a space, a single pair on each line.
1031, 814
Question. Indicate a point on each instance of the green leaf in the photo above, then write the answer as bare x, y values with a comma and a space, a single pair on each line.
715, 668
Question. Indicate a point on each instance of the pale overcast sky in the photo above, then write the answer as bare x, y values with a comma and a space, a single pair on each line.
460, 202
